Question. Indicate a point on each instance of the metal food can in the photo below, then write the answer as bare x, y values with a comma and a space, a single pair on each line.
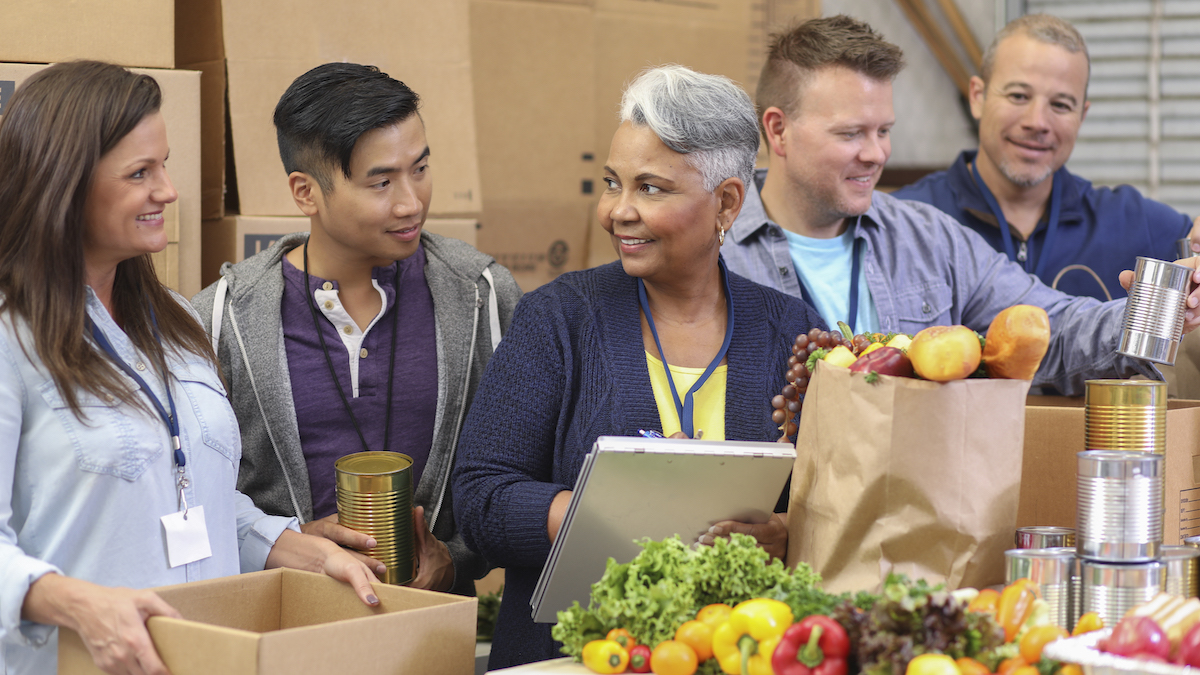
1183, 570
1112, 589
1183, 248
1153, 323
1044, 536
374, 496
1119, 506
1050, 569
1192, 541
1125, 415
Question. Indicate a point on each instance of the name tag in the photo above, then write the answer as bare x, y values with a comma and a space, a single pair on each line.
187, 537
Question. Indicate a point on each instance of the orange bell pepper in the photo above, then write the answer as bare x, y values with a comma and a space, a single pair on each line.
1014, 606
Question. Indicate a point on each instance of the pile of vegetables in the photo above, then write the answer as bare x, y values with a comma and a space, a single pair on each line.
1166, 630
728, 608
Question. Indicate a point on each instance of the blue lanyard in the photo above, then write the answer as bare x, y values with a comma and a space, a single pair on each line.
855, 269
685, 407
1051, 226
171, 419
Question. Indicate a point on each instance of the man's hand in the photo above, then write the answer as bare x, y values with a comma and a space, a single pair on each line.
772, 535
1194, 235
1191, 318
111, 621
328, 528
435, 569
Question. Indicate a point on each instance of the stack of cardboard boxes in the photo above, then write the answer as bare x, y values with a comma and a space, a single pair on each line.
138, 34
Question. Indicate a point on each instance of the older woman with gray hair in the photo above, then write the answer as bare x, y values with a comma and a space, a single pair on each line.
665, 339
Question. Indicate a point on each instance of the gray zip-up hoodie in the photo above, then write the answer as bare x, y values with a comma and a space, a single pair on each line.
254, 360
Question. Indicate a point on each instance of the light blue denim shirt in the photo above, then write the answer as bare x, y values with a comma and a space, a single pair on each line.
84, 499
924, 269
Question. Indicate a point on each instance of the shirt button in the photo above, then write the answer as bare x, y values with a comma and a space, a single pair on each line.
363, 353
140, 366
347, 330
328, 304
783, 271
925, 308
327, 286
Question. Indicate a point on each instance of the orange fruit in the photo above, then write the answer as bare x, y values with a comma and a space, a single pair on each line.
673, 658
697, 635
1036, 638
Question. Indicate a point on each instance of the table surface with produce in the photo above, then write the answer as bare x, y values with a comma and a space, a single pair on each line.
679, 609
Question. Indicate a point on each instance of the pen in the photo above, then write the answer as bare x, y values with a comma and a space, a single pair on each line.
650, 434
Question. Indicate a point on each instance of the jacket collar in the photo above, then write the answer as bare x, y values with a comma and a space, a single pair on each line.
753, 220
969, 197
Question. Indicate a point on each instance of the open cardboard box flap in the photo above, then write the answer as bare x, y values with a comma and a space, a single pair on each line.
280, 622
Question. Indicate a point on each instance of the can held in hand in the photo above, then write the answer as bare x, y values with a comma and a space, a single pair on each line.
374, 496
1153, 323
1183, 248
1112, 589
1183, 570
1045, 536
1051, 570
1119, 506
1125, 415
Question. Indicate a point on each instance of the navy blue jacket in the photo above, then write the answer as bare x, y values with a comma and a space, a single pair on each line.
1102, 229
570, 369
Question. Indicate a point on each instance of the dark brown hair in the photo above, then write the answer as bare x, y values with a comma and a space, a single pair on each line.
818, 43
55, 128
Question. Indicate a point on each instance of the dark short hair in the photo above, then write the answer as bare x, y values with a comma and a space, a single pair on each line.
324, 112
793, 56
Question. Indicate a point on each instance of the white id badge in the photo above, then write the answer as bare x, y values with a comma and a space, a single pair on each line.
187, 539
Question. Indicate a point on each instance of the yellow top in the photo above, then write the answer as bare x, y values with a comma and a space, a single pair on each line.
708, 404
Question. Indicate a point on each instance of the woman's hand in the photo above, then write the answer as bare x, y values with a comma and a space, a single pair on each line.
328, 528
317, 554
111, 621
772, 535
435, 569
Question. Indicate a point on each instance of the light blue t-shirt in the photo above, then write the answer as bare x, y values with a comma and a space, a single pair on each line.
824, 267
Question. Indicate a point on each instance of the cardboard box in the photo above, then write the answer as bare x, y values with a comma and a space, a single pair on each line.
130, 32
236, 238
1054, 433
260, 47
179, 265
287, 621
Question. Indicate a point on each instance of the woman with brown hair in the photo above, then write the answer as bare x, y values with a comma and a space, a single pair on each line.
118, 448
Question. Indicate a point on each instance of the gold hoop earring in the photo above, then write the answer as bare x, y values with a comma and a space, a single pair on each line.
720, 236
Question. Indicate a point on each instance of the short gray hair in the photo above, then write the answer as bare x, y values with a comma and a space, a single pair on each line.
1044, 28
707, 118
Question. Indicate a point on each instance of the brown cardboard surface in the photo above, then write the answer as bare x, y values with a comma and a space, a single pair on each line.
268, 44
130, 32
178, 266
287, 621
1054, 433
536, 240
235, 238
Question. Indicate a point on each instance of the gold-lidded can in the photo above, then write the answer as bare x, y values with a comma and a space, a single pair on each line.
374, 496
1125, 415
1182, 570
1044, 536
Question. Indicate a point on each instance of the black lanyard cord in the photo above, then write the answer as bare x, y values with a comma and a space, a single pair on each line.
312, 306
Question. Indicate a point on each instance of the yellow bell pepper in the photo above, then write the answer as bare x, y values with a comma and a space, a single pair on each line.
840, 356
605, 656
743, 645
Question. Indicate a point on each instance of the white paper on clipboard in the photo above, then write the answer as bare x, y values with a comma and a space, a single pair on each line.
633, 487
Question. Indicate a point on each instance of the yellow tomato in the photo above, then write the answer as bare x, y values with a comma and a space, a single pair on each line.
1036, 638
714, 615
673, 658
1070, 669
932, 664
698, 636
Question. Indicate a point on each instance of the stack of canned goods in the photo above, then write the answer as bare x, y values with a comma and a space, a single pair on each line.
1118, 559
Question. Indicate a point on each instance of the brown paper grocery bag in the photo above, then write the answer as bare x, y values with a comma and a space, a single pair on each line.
908, 476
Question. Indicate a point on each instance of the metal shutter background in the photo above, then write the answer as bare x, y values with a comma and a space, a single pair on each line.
1143, 127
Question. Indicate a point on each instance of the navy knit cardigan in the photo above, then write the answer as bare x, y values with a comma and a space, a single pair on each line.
571, 368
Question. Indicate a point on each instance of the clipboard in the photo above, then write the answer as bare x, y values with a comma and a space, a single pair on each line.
632, 487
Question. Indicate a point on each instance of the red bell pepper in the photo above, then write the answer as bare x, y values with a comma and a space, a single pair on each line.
818, 645
885, 361
1136, 636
